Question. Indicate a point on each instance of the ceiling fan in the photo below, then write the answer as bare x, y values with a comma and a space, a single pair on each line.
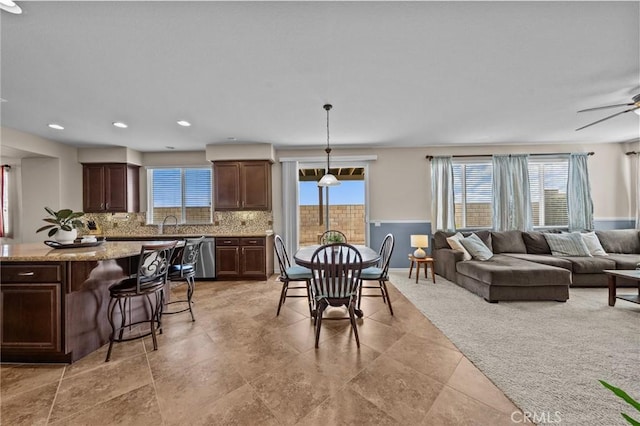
635, 106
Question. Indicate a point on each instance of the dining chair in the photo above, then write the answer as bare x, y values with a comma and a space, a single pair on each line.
185, 270
149, 280
336, 272
332, 236
291, 273
379, 273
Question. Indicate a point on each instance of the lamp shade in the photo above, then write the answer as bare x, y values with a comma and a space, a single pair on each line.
328, 180
419, 241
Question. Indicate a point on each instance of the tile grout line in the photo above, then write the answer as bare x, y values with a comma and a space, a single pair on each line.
153, 381
55, 396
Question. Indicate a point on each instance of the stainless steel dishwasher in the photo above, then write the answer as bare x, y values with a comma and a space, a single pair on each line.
206, 266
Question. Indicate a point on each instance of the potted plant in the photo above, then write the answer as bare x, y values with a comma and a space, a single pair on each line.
63, 224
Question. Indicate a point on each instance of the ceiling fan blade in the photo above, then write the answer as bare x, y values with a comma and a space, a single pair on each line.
606, 118
604, 107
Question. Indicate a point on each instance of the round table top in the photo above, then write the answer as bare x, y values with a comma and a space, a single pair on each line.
369, 256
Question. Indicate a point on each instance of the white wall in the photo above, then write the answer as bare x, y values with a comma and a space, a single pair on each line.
50, 176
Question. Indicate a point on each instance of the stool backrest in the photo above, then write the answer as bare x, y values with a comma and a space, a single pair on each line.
154, 263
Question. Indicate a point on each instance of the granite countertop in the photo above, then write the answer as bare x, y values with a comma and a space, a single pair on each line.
39, 252
192, 235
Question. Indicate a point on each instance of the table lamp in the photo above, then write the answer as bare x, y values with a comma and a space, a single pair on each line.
419, 241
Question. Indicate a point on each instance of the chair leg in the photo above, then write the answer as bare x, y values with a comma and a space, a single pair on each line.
111, 307
152, 321
319, 310
283, 296
309, 298
360, 294
191, 282
123, 316
352, 317
383, 291
383, 286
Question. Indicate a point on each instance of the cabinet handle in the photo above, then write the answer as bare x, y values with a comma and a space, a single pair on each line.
107, 206
26, 274
242, 203
101, 206
252, 242
227, 241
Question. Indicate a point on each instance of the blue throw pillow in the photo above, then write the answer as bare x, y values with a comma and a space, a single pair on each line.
568, 244
475, 247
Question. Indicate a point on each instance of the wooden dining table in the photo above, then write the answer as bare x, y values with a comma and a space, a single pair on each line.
369, 256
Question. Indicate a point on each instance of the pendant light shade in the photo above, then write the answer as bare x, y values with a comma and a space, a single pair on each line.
328, 179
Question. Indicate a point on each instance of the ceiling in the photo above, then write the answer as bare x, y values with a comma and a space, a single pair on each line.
408, 74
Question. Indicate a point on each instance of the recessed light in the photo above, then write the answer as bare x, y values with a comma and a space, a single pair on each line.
120, 124
231, 138
56, 126
170, 147
10, 7
3, 100
184, 123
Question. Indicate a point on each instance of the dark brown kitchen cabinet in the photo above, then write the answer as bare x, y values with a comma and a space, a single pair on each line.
31, 299
111, 188
240, 258
242, 185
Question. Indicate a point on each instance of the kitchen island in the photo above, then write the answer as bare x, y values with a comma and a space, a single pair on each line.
54, 301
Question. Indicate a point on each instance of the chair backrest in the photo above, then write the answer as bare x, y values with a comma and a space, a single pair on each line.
281, 254
190, 254
154, 263
336, 271
333, 236
386, 250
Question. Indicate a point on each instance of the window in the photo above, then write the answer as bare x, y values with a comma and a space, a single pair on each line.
548, 183
473, 194
181, 192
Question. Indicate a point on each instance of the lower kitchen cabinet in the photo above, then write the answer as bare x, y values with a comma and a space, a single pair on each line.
239, 258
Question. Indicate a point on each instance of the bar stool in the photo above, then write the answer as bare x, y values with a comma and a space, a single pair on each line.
186, 271
149, 280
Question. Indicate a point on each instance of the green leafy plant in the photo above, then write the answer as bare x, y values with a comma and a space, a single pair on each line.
64, 219
622, 394
334, 238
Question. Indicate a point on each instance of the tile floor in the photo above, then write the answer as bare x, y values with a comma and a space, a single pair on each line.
240, 364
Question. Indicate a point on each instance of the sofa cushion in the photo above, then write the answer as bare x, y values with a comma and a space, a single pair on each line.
620, 240
502, 270
590, 265
625, 261
508, 242
536, 243
476, 247
440, 240
593, 244
455, 242
545, 259
569, 244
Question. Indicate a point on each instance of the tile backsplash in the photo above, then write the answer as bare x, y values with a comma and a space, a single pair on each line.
134, 224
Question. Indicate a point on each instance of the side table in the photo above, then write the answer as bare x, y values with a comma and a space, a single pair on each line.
427, 262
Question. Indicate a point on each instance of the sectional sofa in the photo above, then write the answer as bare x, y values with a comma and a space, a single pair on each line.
523, 267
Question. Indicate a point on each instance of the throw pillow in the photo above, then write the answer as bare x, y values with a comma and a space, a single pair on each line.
569, 244
593, 244
476, 247
454, 243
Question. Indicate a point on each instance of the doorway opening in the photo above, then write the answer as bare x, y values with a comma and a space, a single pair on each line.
346, 204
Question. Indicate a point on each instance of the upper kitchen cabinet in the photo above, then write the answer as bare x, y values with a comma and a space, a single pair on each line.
111, 188
242, 185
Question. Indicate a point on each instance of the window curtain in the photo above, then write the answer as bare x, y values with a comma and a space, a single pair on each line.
442, 205
3, 199
638, 190
579, 203
290, 206
511, 193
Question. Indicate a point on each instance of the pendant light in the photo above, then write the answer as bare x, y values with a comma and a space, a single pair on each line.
328, 179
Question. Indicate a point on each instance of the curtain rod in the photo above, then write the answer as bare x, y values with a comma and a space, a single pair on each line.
6, 166
631, 153
430, 157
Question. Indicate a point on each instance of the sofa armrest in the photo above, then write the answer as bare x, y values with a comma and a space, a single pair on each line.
445, 262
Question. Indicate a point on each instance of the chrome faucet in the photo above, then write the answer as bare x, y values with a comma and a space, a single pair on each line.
164, 222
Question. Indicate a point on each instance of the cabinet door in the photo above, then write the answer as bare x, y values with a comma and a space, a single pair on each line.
252, 264
31, 317
255, 178
227, 262
226, 184
115, 187
93, 188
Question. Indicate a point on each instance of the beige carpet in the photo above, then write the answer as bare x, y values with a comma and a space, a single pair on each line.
546, 356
